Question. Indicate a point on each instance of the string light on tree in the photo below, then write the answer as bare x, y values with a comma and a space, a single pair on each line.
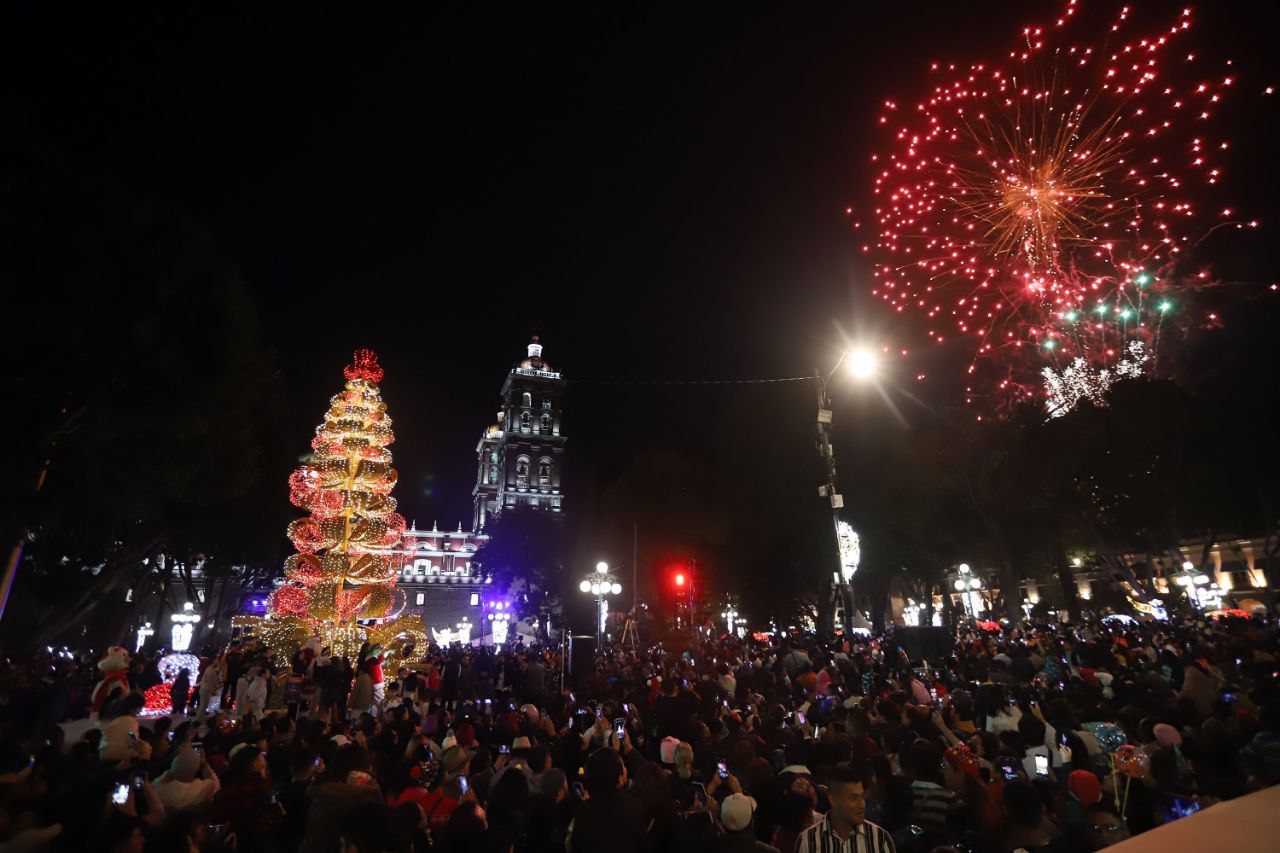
341, 583
1073, 175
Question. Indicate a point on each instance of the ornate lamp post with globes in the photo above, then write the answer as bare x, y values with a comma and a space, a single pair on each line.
601, 584
968, 585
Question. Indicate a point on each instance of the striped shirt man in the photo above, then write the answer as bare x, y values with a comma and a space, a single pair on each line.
931, 803
866, 837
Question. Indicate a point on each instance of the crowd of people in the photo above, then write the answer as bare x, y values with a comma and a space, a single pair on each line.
1049, 737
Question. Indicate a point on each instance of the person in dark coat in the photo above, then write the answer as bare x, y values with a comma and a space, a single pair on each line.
613, 818
180, 692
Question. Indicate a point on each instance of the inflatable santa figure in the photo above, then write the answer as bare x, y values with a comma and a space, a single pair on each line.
114, 667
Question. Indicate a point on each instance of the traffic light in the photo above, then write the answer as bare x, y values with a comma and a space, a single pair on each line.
680, 580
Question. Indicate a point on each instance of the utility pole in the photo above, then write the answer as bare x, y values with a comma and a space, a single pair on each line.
862, 366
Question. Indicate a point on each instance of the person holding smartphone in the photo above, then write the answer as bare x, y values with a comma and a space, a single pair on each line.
611, 818
931, 801
119, 725
439, 803
188, 784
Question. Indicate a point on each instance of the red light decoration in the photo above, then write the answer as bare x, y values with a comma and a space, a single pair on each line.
289, 601
156, 699
364, 366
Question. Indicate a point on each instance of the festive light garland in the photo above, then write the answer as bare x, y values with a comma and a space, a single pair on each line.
340, 585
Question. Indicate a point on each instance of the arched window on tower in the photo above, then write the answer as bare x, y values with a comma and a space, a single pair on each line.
525, 421
522, 471
526, 399
544, 472
545, 423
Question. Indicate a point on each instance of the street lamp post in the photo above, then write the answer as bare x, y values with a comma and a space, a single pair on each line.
1199, 590
601, 584
862, 364
968, 585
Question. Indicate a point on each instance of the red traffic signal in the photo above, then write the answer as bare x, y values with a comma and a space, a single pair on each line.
679, 579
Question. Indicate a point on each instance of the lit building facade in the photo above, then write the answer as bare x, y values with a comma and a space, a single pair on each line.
519, 459
519, 463
439, 582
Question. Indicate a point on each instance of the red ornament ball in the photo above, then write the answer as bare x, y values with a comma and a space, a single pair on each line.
289, 601
306, 535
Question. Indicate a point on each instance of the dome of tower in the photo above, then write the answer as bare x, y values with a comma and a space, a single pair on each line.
534, 361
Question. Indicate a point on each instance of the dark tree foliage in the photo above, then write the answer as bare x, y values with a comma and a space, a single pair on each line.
141, 398
525, 555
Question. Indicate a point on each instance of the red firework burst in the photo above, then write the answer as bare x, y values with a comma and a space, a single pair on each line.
1042, 209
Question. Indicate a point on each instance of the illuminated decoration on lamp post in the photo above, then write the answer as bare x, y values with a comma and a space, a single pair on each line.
143, 632
184, 625
850, 550
341, 583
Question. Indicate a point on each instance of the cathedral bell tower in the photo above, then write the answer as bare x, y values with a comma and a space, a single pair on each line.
520, 457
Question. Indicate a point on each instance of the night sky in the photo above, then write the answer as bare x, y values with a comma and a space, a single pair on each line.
660, 194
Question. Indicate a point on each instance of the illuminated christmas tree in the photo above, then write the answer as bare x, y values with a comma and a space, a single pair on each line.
341, 584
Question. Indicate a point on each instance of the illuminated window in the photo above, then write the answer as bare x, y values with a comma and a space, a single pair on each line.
522, 471
544, 472
475, 599
526, 399
421, 598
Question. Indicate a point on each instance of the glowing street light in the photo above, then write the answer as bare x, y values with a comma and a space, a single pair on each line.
862, 363
968, 587
600, 584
